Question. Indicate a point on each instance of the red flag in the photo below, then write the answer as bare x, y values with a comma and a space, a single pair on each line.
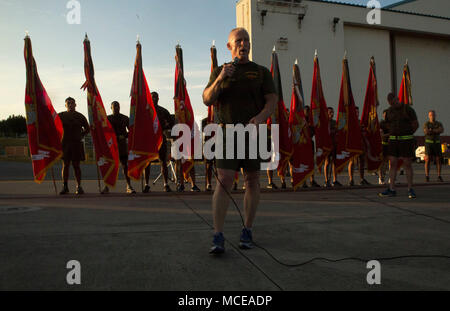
214, 65
369, 121
348, 135
405, 95
280, 117
319, 118
303, 155
103, 135
44, 127
183, 109
145, 134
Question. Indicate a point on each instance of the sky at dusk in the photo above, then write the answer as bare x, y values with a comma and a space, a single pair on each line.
112, 26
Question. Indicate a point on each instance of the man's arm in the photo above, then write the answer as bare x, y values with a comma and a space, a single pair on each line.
440, 129
86, 127
271, 104
212, 91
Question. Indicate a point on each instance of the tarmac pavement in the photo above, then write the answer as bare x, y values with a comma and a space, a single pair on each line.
160, 241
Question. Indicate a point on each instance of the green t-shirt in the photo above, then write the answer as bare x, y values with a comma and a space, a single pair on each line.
242, 95
434, 126
399, 120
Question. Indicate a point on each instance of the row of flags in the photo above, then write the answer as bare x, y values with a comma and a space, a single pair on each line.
353, 137
45, 129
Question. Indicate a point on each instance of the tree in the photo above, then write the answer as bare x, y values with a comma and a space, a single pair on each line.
13, 126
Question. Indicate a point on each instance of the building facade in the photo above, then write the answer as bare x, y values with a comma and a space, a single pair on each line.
416, 31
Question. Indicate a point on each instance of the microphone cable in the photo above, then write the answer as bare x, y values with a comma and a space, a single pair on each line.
289, 265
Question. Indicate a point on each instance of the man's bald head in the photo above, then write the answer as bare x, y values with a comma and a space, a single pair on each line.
239, 44
237, 30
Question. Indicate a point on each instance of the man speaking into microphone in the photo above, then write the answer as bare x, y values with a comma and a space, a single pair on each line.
242, 92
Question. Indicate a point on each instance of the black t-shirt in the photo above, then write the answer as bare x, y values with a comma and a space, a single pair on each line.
120, 123
399, 120
75, 126
242, 95
164, 118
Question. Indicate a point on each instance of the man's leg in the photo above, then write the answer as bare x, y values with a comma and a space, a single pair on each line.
392, 172
164, 170
438, 164
208, 175
147, 178
125, 173
220, 198
350, 172
251, 197
325, 171
65, 171
409, 171
427, 167
361, 166
77, 171
333, 167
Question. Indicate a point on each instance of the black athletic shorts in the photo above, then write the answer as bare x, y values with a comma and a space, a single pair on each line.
433, 150
73, 151
402, 148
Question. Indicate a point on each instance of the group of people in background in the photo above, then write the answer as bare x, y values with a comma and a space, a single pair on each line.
397, 127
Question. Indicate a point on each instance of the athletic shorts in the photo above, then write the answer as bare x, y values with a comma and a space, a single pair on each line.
433, 150
402, 148
163, 151
234, 163
73, 151
123, 150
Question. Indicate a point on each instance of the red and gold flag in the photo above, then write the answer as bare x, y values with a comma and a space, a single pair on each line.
319, 117
405, 95
281, 117
303, 156
348, 132
103, 135
145, 134
214, 65
370, 124
44, 127
183, 111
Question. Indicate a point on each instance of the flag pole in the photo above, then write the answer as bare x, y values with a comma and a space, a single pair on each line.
54, 183
98, 171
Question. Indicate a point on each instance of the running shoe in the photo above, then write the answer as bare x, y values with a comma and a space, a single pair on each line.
180, 188
272, 186
388, 193
195, 189
130, 190
314, 184
411, 193
337, 184
364, 182
64, 190
105, 190
79, 190
146, 189
246, 241
218, 246
167, 188
440, 179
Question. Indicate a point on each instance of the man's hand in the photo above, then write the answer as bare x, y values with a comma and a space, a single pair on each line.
227, 71
211, 94
269, 108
